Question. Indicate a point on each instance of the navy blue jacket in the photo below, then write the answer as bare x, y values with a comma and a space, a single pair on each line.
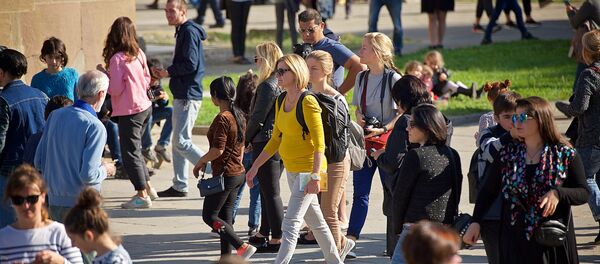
21, 115
187, 70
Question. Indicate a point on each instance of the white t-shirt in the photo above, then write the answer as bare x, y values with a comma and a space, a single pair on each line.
117, 256
18, 245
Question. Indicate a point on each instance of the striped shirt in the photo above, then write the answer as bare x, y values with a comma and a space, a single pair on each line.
17, 245
117, 256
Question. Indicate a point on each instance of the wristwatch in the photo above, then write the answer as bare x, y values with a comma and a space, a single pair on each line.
315, 176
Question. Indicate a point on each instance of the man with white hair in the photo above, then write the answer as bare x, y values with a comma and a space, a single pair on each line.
70, 151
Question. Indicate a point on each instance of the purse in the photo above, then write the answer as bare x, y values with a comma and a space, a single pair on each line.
462, 221
552, 233
212, 185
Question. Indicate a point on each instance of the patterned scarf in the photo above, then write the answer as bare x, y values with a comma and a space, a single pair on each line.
523, 194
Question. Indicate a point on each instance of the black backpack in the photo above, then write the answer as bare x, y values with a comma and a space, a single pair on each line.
336, 118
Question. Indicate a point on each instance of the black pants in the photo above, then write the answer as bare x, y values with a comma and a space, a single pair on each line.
214, 5
486, 5
526, 8
270, 199
131, 129
391, 238
280, 9
217, 213
239, 20
490, 234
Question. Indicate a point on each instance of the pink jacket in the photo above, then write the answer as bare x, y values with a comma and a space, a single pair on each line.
128, 83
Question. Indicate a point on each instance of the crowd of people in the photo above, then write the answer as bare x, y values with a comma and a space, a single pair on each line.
292, 115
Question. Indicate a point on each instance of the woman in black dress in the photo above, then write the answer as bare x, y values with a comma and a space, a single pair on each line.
436, 11
540, 178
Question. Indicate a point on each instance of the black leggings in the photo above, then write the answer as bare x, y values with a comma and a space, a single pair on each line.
526, 8
270, 199
217, 213
131, 129
486, 5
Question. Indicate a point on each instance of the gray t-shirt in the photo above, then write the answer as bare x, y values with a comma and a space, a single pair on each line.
373, 96
117, 256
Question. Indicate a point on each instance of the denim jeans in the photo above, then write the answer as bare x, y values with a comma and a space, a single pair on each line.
395, 9
7, 214
158, 114
112, 140
254, 208
398, 256
304, 206
500, 5
184, 150
216, 9
590, 155
360, 200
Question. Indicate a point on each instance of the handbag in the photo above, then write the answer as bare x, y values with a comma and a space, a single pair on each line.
462, 221
552, 233
212, 185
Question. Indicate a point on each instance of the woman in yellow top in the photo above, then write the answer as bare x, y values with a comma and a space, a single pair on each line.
303, 159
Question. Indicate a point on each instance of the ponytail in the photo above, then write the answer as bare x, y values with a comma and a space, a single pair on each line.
239, 120
223, 88
87, 214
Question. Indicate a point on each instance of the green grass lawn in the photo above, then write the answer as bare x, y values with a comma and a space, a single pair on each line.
537, 67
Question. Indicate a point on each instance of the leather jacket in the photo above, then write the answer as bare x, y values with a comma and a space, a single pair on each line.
262, 117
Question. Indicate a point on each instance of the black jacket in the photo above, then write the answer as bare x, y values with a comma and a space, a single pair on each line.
262, 117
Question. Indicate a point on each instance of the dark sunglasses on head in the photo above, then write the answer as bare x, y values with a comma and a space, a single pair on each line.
281, 71
20, 200
522, 117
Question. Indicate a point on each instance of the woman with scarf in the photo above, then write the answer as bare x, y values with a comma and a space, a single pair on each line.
540, 178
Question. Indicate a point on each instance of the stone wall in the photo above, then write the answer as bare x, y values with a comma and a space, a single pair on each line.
81, 24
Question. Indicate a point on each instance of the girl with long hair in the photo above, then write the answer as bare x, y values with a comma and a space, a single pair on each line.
129, 78
226, 140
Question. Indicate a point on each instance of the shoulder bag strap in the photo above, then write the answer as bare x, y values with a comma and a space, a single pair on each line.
363, 97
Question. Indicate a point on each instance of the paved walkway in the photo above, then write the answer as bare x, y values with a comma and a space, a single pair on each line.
173, 230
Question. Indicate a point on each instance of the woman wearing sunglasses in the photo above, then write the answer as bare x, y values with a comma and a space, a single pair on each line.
33, 238
428, 188
303, 157
539, 179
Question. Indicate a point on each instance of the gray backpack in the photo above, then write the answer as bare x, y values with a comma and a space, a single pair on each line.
356, 146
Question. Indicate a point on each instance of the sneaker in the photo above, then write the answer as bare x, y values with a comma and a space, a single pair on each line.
217, 25
172, 193
528, 36
347, 248
268, 248
351, 254
246, 252
563, 108
241, 60
532, 23
161, 152
486, 41
511, 24
153, 194
149, 155
137, 203
477, 28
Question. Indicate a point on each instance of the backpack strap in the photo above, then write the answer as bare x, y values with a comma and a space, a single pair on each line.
300, 113
386, 83
279, 103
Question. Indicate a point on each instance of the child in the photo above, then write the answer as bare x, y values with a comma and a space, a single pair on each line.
56, 79
87, 226
442, 86
493, 90
413, 68
426, 78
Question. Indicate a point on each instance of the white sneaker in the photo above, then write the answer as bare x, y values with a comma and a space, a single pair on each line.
250, 250
347, 248
137, 202
152, 193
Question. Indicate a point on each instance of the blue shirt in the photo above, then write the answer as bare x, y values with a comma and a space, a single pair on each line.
61, 83
340, 55
70, 154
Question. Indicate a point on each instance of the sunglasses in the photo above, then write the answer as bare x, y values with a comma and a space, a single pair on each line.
522, 117
19, 200
309, 30
281, 71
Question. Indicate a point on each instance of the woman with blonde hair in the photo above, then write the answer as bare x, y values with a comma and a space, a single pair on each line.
303, 157
33, 238
377, 112
129, 79
585, 106
258, 133
320, 66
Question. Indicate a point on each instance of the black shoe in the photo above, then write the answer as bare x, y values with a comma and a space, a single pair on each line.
486, 41
511, 24
563, 108
258, 241
532, 23
528, 36
172, 193
496, 28
121, 174
303, 241
439, 47
252, 232
152, 6
241, 60
268, 248
477, 28
217, 25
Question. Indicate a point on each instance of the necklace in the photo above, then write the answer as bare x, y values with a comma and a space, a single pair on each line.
531, 159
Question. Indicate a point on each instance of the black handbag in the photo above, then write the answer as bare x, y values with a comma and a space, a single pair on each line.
461, 220
552, 233
212, 185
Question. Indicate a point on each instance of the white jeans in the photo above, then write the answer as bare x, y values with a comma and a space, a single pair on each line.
307, 207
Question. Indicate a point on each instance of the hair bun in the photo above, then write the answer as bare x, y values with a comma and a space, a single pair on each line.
89, 198
507, 83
